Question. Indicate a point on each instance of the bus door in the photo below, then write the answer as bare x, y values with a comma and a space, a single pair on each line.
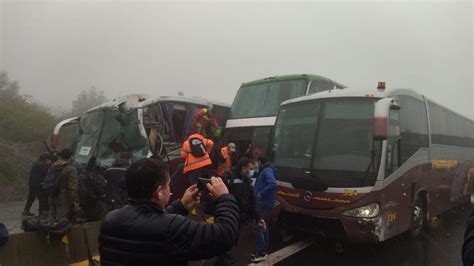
392, 163
65, 134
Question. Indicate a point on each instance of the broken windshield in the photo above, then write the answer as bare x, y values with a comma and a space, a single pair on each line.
106, 132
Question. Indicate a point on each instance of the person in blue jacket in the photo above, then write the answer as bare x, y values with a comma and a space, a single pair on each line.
265, 193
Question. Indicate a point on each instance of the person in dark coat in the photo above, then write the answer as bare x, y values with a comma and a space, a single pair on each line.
468, 245
146, 232
239, 183
37, 174
116, 189
91, 192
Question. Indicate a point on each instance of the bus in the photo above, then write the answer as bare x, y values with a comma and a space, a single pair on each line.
255, 107
366, 166
137, 124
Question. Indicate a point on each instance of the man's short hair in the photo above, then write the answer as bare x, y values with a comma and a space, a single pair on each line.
144, 176
243, 162
65, 154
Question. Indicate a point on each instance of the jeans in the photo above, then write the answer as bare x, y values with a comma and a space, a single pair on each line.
262, 236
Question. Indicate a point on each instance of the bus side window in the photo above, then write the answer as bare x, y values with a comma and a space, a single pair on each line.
393, 143
320, 85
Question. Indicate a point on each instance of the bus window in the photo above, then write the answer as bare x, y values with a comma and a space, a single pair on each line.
249, 99
393, 143
178, 118
260, 140
320, 85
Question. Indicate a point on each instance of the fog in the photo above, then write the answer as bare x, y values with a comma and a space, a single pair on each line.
57, 48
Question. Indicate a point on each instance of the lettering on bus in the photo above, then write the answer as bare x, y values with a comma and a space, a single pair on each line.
289, 194
350, 193
441, 164
341, 201
391, 217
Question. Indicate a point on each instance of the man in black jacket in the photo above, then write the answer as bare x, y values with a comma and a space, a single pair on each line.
145, 232
38, 172
116, 189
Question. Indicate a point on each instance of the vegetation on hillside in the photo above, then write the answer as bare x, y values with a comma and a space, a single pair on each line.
24, 125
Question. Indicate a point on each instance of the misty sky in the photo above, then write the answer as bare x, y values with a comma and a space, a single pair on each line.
57, 48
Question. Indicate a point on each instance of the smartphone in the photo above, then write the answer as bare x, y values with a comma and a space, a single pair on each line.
202, 184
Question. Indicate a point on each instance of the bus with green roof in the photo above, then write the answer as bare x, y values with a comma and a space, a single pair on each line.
255, 107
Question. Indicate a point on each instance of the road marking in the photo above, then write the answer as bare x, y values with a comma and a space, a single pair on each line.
284, 253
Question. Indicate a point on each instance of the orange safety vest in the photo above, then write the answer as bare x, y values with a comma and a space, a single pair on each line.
226, 155
224, 167
191, 162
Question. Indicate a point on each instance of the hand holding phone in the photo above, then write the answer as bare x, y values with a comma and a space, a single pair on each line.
202, 184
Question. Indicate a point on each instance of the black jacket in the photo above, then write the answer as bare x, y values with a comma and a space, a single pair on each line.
241, 187
38, 173
142, 233
468, 246
116, 189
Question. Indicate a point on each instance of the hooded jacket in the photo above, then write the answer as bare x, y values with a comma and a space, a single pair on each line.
265, 186
69, 184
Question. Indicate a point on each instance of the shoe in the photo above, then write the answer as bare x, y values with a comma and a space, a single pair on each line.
27, 213
259, 258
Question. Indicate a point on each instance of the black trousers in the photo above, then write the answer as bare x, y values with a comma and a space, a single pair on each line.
37, 193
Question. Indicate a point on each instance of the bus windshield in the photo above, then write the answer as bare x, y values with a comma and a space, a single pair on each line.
263, 100
331, 139
106, 132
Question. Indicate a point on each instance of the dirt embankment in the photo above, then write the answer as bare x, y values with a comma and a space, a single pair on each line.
15, 163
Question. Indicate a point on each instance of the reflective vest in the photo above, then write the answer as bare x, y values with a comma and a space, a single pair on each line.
191, 162
224, 167
226, 155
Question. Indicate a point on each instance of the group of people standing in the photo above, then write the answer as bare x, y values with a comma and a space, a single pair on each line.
254, 201
68, 193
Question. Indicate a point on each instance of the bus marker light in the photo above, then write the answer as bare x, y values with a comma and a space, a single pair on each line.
381, 85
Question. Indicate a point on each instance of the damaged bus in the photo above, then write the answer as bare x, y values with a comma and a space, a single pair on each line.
134, 124
255, 107
368, 165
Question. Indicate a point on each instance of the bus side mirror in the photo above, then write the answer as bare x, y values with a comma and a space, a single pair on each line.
381, 117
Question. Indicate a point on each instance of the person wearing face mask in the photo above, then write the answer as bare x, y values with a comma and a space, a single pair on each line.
148, 232
239, 183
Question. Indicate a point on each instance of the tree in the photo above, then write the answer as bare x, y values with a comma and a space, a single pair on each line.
21, 118
86, 100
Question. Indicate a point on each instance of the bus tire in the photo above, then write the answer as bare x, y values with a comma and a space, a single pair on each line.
418, 216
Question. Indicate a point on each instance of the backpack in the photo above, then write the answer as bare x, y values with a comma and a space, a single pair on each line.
52, 181
198, 149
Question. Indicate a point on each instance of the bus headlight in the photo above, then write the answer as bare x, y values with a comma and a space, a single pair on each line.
369, 211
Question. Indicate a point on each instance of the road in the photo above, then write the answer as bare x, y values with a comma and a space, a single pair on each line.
434, 247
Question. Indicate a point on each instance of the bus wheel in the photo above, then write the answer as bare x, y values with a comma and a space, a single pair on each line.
418, 218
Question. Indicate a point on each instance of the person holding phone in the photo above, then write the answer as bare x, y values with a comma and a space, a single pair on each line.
146, 231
